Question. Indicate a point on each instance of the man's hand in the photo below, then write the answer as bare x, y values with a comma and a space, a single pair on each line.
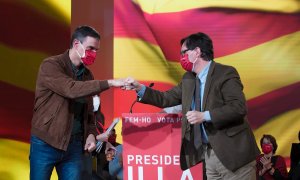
103, 137
132, 84
195, 117
90, 144
110, 151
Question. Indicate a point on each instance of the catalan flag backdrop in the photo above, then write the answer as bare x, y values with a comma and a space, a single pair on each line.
30, 31
261, 38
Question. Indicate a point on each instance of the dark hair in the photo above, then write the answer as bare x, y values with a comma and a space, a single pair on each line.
82, 32
271, 139
299, 135
202, 41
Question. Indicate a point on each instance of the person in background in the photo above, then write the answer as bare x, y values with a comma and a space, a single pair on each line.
63, 126
294, 173
87, 158
113, 152
116, 163
108, 153
112, 139
269, 165
102, 163
214, 124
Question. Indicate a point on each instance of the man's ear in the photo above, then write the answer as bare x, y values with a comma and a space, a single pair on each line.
75, 42
198, 51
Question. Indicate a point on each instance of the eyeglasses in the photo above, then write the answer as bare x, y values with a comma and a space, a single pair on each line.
184, 51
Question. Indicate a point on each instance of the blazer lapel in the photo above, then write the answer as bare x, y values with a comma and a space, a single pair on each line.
208, 82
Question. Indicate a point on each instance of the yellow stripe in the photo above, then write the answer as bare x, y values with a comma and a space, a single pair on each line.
14, 161
19, 67
262, 68
64, 7
118, 129
284, 128
268, 66
59, 10
167, 6
143, 61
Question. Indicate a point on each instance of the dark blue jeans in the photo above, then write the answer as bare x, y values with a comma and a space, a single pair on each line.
43, 158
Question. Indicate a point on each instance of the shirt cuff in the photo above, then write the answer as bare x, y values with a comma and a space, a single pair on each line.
141, 92
207, 116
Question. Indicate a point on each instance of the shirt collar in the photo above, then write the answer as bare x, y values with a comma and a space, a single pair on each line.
203, 74
78, 71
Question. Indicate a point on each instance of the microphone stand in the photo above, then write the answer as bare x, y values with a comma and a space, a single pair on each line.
137, 98
130, 111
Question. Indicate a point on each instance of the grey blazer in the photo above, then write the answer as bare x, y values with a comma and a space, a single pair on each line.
228, 132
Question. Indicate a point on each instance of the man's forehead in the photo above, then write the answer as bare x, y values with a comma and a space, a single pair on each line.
91, 42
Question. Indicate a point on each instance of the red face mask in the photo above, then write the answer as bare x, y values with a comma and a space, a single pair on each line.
267, 148
89, 58
185, 63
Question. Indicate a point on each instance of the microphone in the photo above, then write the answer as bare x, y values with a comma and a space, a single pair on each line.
137, 98
151, 85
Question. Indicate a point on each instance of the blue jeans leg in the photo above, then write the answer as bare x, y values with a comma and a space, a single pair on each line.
70, 165
43, 158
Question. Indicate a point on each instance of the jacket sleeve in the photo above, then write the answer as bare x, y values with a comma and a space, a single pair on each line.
160, 99
54, 77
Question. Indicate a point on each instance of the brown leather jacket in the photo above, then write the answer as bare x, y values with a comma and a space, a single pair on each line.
56, 89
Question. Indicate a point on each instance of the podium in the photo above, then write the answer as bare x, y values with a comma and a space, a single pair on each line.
151, 147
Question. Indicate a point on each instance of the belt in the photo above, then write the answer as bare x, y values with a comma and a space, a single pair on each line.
76, 137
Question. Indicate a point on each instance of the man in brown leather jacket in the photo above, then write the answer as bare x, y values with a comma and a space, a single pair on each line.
214, 125
63, 124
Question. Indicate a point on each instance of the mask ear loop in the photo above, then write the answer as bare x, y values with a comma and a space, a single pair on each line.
83, 51
194, 64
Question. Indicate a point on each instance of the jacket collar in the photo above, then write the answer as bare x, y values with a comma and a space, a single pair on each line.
208, 82
68, 66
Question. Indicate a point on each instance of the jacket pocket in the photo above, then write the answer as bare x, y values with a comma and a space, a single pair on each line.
46, 120
52, 115
236, 129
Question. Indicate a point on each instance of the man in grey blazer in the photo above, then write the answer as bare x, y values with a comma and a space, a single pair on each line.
214, 126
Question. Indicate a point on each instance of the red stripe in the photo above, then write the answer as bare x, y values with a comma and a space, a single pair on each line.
23, 27
15, 112
231, 30
129, 22
269, 105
